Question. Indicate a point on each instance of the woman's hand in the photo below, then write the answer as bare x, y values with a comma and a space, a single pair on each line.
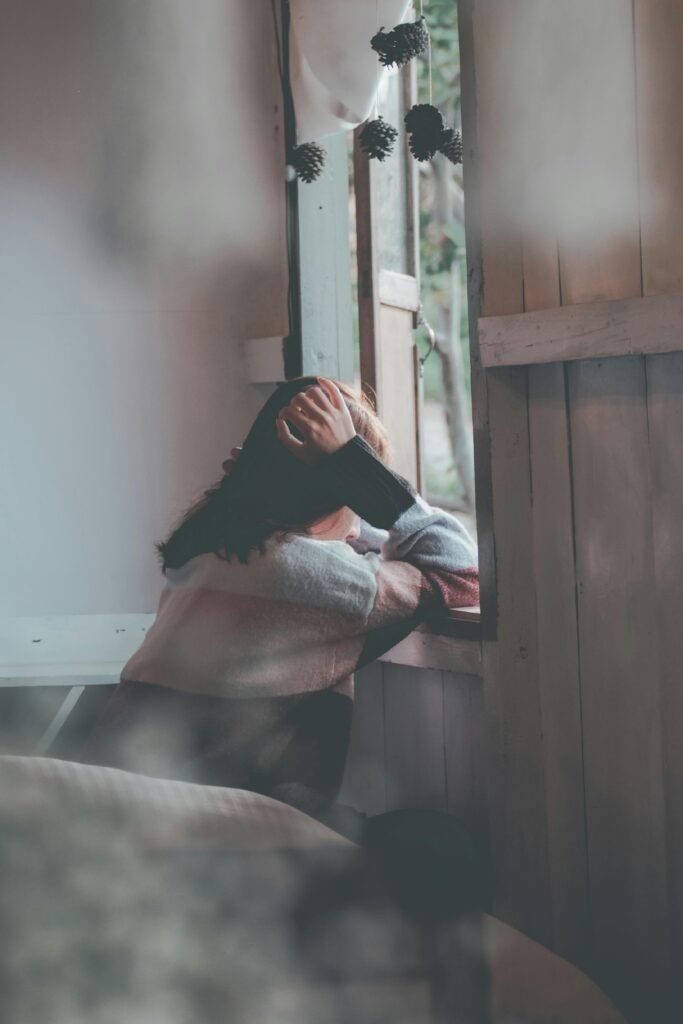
321, 416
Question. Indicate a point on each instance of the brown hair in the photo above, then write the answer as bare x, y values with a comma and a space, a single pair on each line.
365, 420
269, 491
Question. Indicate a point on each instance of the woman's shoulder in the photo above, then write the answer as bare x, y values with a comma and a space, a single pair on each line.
295, 568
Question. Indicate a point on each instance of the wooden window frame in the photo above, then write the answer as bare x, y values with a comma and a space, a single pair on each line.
321, 303
375, 285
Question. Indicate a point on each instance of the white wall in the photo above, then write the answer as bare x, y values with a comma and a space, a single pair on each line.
141, 239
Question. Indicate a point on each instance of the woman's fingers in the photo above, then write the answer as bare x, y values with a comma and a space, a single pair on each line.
286, 436
319, 396
298, 417
306, 402
303, 412
302, 449
321, 416
332, 391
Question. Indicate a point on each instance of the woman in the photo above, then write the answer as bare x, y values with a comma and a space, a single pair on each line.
308, 560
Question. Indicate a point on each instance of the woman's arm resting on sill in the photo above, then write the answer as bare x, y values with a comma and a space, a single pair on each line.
426, 559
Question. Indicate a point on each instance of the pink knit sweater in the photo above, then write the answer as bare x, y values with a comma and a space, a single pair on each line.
246, 675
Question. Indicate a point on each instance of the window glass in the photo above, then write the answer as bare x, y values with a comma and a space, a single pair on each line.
391, 180
447, 441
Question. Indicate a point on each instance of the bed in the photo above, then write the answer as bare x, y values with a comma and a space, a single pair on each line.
134, 899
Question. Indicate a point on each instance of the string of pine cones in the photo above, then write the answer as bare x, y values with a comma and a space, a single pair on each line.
427, 132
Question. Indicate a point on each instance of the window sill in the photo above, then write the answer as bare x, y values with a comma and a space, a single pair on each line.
464, 623
450, 642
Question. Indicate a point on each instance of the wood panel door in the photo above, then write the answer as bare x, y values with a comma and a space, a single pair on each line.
388, 278
573, 158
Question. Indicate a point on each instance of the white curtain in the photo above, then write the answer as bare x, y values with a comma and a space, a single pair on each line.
333, 68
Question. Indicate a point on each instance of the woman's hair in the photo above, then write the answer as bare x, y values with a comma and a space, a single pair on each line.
269, 489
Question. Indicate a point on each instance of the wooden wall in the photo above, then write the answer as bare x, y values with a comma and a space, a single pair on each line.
417, 741
573, 170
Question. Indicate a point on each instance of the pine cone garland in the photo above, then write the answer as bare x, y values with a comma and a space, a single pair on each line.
451, 145
308, 160
377, 138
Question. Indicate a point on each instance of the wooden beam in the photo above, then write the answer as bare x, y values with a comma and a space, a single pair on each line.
400, 290
68, 647
422, 649
367, 230
325, 268
591, 330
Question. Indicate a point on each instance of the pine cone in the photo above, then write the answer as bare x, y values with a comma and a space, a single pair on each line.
377, 139
424, 119
420, 147
308, 160
426, 126
384, 43
411, 39
402, 43
451, 145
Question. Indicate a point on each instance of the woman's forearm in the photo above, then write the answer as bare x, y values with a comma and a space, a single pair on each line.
359, 479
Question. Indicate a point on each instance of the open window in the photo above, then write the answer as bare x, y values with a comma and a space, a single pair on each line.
388, 288
381, 282
412, 338
407, 228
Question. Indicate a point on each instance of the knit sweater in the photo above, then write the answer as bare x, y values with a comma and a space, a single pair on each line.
246, 676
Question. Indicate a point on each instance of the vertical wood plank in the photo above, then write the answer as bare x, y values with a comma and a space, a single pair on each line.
552, 517
659, 42
465, 744
325, 268
558, 659
665, 421
396, 392
364, 785
475, 276
613, 523
659, 38
491, 39
599, 229
619, 664
367, 244
415, 759
511, 675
